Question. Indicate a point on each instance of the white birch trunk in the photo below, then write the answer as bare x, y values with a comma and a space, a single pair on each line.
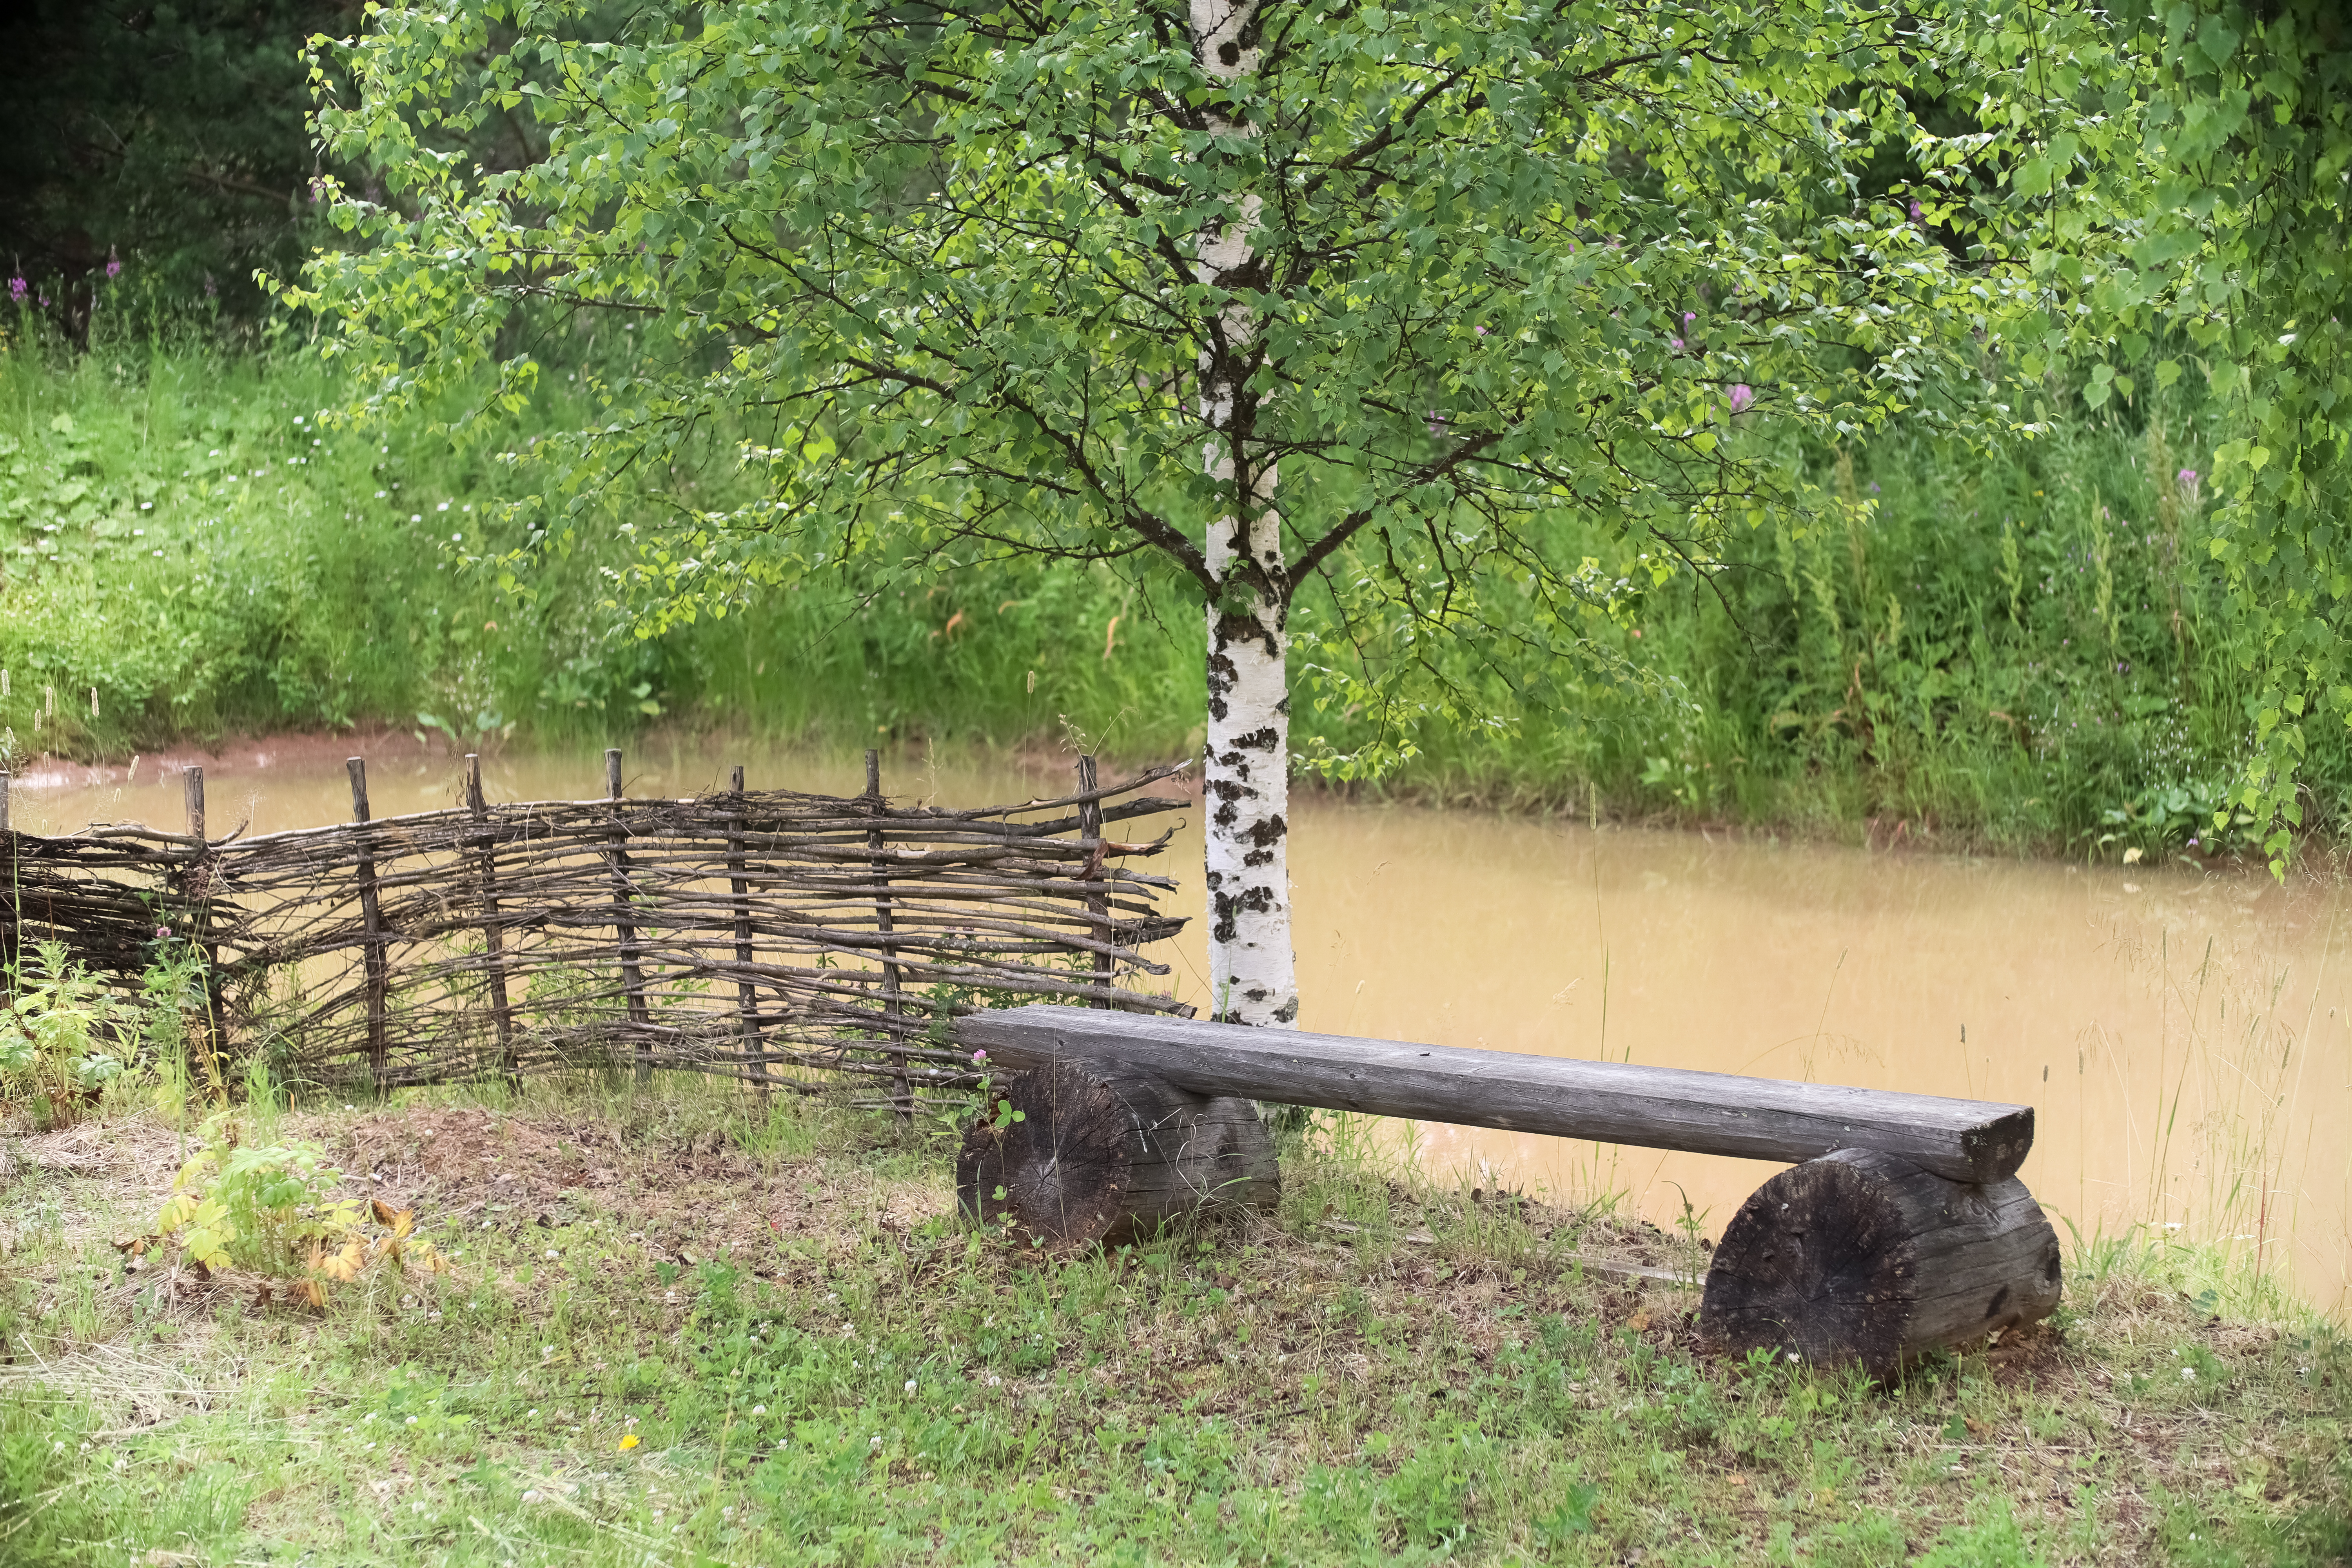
1247, 763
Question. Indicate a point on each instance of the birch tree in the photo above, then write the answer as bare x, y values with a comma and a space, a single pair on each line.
1248, 297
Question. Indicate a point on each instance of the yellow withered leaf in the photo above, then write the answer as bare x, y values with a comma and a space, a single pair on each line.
401, 1224
347, 1263
314, 1295
382, 1210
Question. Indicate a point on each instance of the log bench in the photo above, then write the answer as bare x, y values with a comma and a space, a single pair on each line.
1901, 1227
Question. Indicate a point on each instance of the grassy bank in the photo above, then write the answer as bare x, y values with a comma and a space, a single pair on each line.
2031, 652
677, 1330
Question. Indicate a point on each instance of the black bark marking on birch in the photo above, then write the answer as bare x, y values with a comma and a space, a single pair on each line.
1234, 626
1264, 740
1255, 900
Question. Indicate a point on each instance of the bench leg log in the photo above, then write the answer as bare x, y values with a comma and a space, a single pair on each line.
1104, 1154
1864, 1256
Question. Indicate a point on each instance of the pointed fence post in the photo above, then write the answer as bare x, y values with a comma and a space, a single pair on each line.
892, 1007
633, 977
493, 936
747, 996
1091, 833
373, 954
11, 913
200, 895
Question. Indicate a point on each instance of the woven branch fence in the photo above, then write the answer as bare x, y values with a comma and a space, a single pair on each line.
783, 938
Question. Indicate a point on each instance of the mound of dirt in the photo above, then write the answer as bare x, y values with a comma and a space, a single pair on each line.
688, 1195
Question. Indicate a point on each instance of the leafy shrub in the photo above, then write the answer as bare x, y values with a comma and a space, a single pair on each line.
270, 1207
64, 1035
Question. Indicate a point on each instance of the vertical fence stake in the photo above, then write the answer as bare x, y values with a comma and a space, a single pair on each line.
199, 894
11, 914
493, 937
1090, 834
194, 780
902, 1092
633, 977
373, 954
747, 996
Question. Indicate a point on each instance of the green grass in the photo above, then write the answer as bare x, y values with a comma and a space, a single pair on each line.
2029, 652
821, 1365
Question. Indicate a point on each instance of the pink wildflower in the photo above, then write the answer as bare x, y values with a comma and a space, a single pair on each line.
1742, 396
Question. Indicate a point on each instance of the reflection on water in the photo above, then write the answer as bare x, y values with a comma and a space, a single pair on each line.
2183, 1035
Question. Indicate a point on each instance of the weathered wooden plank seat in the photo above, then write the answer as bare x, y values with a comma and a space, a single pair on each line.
1904, 1228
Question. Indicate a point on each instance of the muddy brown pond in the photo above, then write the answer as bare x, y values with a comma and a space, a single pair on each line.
2185, 1036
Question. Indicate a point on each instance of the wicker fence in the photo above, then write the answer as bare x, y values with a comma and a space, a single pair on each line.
780, 937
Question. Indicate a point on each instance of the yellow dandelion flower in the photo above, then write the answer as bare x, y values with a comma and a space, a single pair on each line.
629, 1442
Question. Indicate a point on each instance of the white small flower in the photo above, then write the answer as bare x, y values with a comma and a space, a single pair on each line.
412, 1421
759, 1410
910, 1385
995, 1381
874, 1442
531, 1496
2188, 1374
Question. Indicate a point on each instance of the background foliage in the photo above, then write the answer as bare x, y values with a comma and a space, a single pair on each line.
2038, 649
2034, 650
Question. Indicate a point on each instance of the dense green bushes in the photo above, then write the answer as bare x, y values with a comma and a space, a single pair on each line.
2030, 651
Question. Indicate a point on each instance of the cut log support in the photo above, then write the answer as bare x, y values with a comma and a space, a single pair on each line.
1864, 1256
1103, 1153
1609, 1102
